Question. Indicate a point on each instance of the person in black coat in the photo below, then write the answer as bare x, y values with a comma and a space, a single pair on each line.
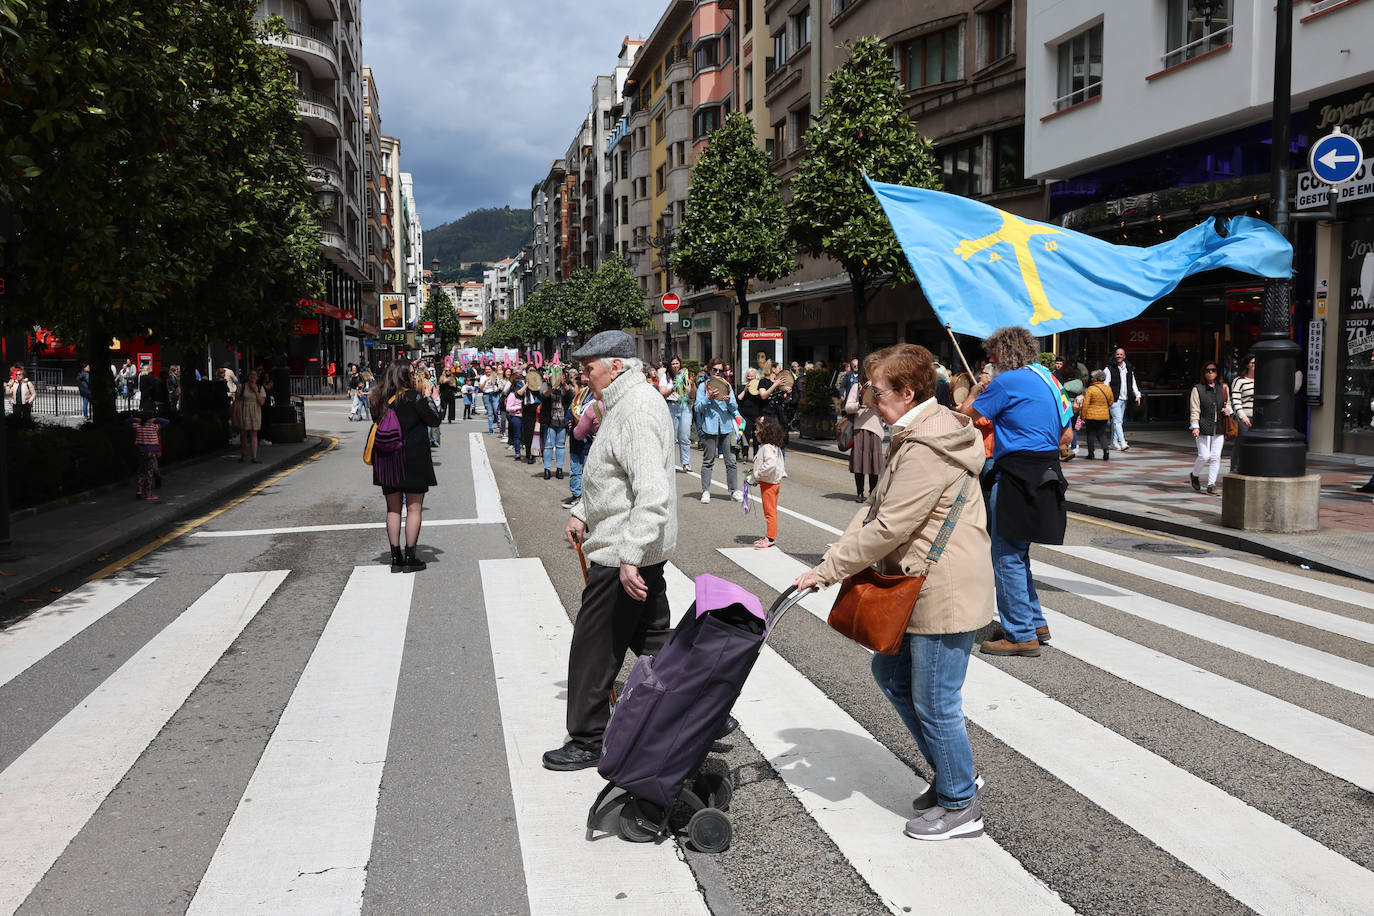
415, 412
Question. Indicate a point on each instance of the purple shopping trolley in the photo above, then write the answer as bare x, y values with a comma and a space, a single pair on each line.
673, 707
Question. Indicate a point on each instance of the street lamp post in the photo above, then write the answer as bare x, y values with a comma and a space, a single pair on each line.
1272, 447
438, 322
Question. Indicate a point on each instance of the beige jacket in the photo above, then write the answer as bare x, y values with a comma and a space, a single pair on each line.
927, 463
864, 417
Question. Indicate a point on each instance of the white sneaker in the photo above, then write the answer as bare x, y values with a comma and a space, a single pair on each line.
1124, 445
705, 497
736, 495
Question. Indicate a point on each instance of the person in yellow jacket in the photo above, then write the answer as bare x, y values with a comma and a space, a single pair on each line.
1096, 413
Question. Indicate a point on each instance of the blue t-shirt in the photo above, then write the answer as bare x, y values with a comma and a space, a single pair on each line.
1024, 413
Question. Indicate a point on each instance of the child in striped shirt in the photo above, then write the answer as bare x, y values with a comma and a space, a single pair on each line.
148, 444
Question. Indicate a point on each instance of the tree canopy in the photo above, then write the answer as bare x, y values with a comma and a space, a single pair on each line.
736, 225
861, 128
151, 152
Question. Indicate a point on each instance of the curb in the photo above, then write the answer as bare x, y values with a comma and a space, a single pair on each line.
1197, 531
20, 585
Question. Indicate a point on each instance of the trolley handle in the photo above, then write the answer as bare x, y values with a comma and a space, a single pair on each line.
784, 603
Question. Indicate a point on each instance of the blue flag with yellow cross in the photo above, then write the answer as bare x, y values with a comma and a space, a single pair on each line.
982, 268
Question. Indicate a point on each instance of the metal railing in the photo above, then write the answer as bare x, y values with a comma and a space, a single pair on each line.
1198, 47
317, 384
313, 32
1090, 91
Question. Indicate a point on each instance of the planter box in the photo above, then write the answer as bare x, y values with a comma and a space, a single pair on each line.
816, 427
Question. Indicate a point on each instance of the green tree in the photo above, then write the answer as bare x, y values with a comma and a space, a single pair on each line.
616, 297
440, 310
861, 128
150, 150
736, 225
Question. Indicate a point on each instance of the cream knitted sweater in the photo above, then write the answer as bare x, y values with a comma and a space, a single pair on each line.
628, 499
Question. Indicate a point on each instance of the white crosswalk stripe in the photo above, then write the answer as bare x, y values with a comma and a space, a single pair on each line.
30, 639
1265, 604
529, 642
304, 828
1313, 663
1260, 861
860, 793
50, 791
1304, 584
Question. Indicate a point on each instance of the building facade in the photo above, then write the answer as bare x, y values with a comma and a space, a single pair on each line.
1145, 119
323, 43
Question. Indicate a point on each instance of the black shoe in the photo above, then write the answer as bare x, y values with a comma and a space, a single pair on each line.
397, 561
529, 460
1197, 484
858, 497
558, 473
1367, 488
731, 723
569, 502
571, 757
1211, 490
410, 564
547, 473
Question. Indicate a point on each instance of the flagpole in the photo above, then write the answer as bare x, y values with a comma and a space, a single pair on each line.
953, 340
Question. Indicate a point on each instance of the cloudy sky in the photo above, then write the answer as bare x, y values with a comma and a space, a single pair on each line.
484, 96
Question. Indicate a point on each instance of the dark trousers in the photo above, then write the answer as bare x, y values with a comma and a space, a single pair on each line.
1098, 436
527, 432
609, 623
447, 402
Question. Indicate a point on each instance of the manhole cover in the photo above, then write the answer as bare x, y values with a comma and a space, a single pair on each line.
1132, 545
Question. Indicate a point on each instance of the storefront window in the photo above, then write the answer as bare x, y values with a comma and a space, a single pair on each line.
1354, 344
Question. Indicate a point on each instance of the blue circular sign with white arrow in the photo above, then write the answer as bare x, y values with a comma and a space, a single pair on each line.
1335, 158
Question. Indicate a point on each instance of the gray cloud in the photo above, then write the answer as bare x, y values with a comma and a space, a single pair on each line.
483, 96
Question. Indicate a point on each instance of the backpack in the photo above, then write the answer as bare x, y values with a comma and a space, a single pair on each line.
385, 441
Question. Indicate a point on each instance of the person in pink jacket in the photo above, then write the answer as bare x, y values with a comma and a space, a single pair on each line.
587, 412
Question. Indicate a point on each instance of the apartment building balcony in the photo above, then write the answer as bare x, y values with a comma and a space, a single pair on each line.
319, 112
320, 9
332, 236
323, 168
312, 45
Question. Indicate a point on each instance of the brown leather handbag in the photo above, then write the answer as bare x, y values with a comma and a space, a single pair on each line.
873, 609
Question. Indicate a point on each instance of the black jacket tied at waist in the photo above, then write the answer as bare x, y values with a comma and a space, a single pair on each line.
1030, 502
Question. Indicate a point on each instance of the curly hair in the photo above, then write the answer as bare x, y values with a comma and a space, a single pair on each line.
769, 431
1012, 348
905, 366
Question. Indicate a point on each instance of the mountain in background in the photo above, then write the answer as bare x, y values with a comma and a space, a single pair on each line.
489, 234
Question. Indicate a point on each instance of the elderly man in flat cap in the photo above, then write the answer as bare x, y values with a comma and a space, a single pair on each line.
627, 523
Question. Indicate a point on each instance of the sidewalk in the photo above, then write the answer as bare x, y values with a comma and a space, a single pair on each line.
53, 540
1147, 486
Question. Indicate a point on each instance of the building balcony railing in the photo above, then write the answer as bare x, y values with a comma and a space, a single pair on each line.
332, 235
319, 109
317, 43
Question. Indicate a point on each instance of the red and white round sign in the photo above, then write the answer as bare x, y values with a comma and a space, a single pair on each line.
427, 327
671, 302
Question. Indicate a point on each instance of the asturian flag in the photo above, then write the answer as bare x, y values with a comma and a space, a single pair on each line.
983, 268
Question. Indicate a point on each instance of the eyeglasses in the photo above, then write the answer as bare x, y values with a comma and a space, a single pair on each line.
879, 392
1210, 369
717, 369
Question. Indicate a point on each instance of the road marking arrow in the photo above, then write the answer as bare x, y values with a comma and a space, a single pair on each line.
1331, 159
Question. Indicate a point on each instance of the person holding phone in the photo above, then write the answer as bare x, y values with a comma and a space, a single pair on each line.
408, 394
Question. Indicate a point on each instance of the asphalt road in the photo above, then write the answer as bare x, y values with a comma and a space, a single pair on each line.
1192, 741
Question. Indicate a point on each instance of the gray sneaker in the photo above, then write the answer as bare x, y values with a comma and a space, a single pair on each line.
942, 824
927, 799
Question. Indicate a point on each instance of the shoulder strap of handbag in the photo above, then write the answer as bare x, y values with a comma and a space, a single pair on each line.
937, 546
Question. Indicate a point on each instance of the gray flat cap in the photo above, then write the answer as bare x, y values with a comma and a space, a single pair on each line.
607, 344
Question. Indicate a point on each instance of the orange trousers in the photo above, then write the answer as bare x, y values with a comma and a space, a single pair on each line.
768, 492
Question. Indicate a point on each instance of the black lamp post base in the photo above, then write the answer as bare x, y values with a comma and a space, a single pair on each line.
1271, 453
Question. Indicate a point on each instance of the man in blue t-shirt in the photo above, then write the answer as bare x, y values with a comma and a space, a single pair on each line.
1025, 487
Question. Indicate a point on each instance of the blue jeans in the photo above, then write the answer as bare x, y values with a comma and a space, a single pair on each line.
515, 427
681, 412
924, 682
555, 443
490, 401
577, 456
1018, 604
1118, 412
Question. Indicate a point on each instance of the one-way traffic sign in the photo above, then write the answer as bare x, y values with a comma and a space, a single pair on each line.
1335, 158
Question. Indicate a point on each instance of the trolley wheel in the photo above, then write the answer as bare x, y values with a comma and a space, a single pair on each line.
632, 825
710, 830
715, 790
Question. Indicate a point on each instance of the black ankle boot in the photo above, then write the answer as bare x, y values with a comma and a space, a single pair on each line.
411, 564
558, 473
547, 475
397, 561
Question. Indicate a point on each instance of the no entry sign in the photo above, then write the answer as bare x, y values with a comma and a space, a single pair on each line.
671, 302
427, 327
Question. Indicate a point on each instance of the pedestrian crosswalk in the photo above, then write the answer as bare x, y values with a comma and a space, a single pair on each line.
301, 835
